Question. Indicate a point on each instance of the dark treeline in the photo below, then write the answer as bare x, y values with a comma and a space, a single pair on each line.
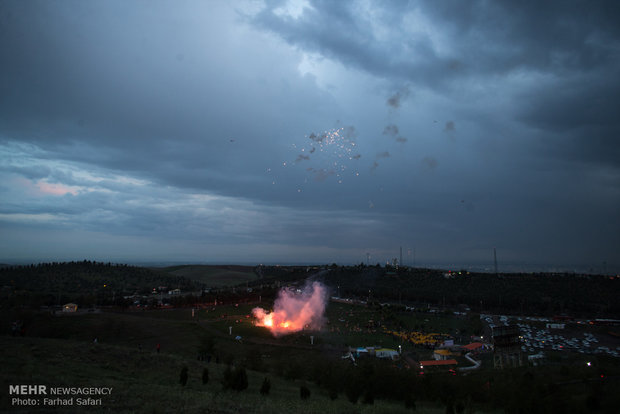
84, 282
88, 283
577, 295
545, 293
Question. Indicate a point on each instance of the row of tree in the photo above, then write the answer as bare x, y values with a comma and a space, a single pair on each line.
578, 295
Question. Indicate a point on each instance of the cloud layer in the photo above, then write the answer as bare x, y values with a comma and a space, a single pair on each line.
310, 131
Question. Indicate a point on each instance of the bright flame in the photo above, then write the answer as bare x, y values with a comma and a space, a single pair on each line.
293, 311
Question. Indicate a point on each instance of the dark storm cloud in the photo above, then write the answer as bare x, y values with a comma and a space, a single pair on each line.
117, 85
338, 31
183, 121
556, 35
573, 42
33, 172
581, 115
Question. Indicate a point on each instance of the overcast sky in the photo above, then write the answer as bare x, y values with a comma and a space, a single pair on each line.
311, 131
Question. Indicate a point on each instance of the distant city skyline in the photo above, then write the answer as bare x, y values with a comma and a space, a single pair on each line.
311, 132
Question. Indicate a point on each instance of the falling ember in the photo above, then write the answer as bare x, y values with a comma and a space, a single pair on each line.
293, 311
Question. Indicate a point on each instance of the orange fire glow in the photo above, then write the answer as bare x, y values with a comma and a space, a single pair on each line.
293, 311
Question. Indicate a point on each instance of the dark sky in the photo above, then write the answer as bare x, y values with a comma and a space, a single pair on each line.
311, 131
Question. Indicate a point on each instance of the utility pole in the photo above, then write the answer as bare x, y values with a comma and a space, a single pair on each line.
495, 259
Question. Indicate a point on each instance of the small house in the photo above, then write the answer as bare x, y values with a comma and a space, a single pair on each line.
386, 353
69, 307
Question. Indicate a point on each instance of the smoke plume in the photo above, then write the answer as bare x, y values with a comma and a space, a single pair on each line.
294, 311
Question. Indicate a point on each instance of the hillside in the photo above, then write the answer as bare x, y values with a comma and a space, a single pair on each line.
59, 351
86, 283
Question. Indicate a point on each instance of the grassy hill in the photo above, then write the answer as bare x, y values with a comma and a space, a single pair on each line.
58, 351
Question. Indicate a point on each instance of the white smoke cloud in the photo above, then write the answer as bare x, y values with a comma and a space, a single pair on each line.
294, 311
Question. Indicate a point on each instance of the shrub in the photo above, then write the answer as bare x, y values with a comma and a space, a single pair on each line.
333, 393
183, 376
369, 397
227, 379
352, 389
304, 392
265, 387
236, 379
410, 401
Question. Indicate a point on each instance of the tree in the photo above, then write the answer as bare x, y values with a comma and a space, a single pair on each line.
206, 347
352, 392
183, 376
410, 401
333, 392
265, 387
304, 392
239, 379
227, 378
369, 396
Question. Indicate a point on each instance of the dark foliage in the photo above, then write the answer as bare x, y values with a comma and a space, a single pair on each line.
235, 379
265, 386
86, 283
304, 392
369, 396
332, 392
352, 392
410, 402
553, 293
183, 376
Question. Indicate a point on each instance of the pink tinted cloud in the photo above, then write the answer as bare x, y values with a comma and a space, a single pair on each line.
56, 189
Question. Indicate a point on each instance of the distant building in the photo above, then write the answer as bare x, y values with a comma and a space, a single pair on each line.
476, 347
442, 354
70, 307
383, 353
361, 351
386, 353
447, 343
